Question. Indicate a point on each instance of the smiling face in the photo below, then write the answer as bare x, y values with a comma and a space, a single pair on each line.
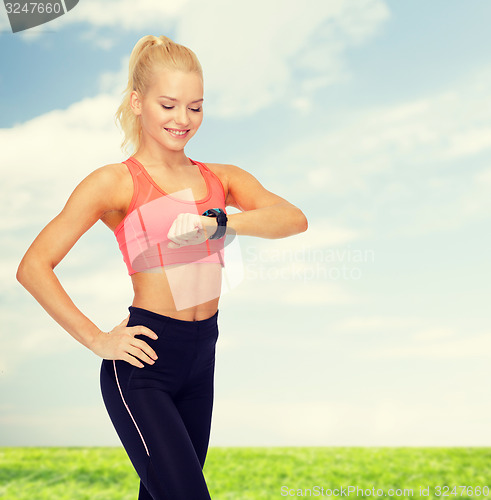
171, 111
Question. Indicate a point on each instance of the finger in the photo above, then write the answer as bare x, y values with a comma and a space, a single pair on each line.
143, 330
181, 225
140, 354
186, 225
186, 229
171, 234
195, 223
141, 344
178, 229
175, 229
192, 230
197, 238
188, 237
132, 361
178, 239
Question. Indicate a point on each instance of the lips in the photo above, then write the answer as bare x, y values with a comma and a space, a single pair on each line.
175, 132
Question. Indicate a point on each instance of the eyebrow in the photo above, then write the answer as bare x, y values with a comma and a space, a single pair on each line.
174, 99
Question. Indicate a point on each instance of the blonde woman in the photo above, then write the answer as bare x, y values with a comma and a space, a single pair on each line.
168, 214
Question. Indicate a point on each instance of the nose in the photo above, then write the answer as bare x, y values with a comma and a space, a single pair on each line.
181, 117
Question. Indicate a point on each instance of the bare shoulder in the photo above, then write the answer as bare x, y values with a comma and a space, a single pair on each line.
225, 172
239, 184
219, 169
114, 177
116, 182
104, 189
104, 175
229, 172
111, 172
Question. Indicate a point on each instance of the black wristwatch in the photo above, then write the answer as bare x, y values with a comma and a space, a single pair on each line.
222, 222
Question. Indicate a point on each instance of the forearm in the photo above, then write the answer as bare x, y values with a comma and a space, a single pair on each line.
276, 221
42, 283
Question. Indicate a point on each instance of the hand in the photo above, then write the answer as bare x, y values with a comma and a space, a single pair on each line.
191, 229
120, 343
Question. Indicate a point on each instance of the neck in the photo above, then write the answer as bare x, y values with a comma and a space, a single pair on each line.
158, 156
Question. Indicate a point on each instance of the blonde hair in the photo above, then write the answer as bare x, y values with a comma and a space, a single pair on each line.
150, 54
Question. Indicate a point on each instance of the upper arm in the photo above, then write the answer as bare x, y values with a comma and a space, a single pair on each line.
245, 192
91, 198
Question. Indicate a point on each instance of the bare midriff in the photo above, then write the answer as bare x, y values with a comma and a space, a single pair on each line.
189, 292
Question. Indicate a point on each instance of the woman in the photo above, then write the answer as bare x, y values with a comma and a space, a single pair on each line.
168, 215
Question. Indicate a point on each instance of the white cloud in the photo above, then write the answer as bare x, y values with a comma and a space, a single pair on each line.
418, 167
369, 324
114, 82
123, 15
476, 200
450, 420
416, 135
52, 153
58, 426
291, 48
435, 344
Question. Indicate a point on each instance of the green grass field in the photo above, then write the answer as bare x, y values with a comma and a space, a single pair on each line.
255, 473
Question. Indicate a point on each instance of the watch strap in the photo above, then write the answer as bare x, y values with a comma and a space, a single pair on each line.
222, 219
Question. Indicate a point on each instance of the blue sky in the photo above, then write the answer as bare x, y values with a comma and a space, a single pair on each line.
370, 329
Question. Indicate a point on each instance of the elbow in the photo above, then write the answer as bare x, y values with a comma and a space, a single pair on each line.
303, 223
26, 270
21, 274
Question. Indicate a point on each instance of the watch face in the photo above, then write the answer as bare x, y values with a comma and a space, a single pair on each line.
213, 212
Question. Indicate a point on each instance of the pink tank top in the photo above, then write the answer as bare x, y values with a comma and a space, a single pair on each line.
142, 234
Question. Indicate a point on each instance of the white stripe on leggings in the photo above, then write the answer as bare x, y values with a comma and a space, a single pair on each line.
122, 397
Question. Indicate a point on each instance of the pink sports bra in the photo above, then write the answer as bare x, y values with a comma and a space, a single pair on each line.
142, 234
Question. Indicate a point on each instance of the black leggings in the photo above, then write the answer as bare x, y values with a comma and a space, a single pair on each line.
162, 412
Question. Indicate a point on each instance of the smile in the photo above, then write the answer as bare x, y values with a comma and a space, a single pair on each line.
177, 133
